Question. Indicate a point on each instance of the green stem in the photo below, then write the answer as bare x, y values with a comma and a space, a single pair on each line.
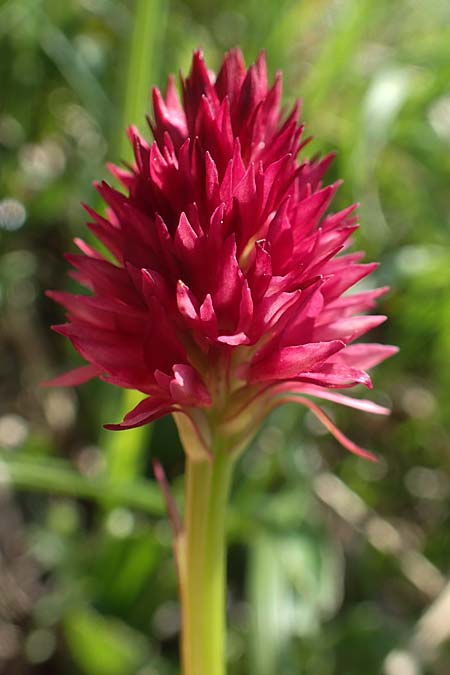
203, 574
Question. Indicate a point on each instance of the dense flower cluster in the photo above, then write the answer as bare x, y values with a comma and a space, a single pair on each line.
227, 295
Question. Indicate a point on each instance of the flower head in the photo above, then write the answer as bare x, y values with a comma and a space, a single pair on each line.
228, 290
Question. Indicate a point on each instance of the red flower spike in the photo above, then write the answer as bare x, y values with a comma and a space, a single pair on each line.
227, 295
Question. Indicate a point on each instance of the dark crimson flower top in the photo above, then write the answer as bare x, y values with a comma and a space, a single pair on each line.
227, 294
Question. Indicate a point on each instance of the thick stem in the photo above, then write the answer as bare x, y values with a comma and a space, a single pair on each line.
203, 567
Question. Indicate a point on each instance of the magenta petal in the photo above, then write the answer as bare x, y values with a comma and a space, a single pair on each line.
351, 304
234, 173
309, 212
186, 238
186, 302
336, 377
260, 273
145, 412
198, 87
208, 317
327, 395
234, 340
245, 308
366, 356
231, 75
153, 285
347, 277
169, 116
74, 377
87, 250
227, 289
212, 179
187, 387
349, 329
105, 277
293, 361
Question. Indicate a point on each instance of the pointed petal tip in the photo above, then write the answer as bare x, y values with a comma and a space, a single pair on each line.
336, 185
114, 427
262, 57
365, 454
145, 412
74, 377
393, 348
60, 328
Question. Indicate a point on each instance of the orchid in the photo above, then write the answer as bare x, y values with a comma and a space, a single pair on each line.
222, 294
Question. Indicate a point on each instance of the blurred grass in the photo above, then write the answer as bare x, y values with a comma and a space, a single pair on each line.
86, 515
56, 477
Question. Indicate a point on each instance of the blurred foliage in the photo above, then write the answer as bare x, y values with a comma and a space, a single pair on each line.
327, 575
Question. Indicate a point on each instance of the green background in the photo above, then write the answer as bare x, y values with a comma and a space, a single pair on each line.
336, 566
